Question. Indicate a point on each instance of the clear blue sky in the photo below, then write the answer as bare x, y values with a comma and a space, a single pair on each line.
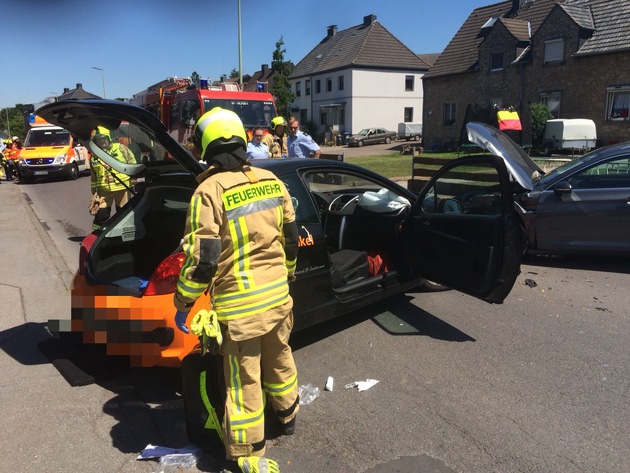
53, 44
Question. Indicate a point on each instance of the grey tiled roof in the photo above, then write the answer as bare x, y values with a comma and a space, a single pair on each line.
612, 25
608, 19
461, 54
429, 59
581, 15
518, 28
78, 93
359, 46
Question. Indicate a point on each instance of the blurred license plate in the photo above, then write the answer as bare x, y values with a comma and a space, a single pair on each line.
40, 173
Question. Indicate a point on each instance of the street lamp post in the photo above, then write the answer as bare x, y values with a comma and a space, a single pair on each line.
102, 78
240, 53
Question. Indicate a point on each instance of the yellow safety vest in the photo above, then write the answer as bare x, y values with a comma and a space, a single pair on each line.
103, 179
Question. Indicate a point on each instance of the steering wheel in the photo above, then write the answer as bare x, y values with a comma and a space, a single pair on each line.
342, 202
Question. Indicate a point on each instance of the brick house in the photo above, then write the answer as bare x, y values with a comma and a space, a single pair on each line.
359, 77
571, 55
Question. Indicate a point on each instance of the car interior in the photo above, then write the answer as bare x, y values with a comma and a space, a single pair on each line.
362, 221
137, 241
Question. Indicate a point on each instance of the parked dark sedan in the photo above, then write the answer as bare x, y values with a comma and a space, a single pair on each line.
362, 237
371, 136
580, 207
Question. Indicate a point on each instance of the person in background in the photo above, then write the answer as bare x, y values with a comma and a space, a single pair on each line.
111, 186
276, 140
300, 144
240, 242
256, 149
11, 156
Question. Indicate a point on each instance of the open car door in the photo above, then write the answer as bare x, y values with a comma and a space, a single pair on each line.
464, 230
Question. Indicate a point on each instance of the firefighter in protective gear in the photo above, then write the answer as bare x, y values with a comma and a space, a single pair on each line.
240, 243
11, 157
276, 140
111, 187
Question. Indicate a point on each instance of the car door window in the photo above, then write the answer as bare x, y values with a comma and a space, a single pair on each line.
608, 175
474, 190
305, 210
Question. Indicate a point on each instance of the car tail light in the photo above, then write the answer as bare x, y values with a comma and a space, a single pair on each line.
164, 278
86, 244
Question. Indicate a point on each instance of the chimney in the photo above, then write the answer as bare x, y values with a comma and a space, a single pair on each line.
332, 31
369, 19
516, 5
79, 86
66, 90
263, 69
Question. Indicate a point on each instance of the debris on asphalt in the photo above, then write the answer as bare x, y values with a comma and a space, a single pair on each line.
308, 393
531, 283
362, 385
171, 459
329, 383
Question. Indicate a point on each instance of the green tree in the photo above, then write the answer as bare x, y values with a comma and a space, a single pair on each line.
540, 115
234, 74
281, 88
12, 121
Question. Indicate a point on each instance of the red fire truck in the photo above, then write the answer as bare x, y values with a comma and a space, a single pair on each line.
178, 103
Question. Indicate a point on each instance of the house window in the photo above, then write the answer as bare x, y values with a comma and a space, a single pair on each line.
307, 87
318, 86
449, 110
554, 50
496, 62
340, 82
298, 89
551, 100
618, 103
328, 85
409, 81
408, 114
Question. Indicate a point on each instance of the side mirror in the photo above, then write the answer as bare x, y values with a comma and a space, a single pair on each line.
562, 187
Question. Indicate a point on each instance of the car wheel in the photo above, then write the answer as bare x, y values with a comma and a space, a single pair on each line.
417, 137
73, 172
388, 140
360, 143
430, 286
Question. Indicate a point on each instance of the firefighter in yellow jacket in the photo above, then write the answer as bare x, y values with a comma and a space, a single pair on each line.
112, 187
276, 140
241, 242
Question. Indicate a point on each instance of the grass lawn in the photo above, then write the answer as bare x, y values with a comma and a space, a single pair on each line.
398, 167
392, 165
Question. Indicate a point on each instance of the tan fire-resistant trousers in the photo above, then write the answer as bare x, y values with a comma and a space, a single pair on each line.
255, 368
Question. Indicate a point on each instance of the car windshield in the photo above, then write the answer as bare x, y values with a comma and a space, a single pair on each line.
252, 113
47, 138
364, 132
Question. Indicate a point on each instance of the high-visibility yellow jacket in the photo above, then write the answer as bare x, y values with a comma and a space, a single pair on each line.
235, 241
103, 178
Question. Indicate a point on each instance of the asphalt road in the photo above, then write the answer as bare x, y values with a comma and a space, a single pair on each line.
537, 384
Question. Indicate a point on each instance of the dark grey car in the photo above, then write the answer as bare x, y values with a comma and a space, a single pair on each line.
580, 207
